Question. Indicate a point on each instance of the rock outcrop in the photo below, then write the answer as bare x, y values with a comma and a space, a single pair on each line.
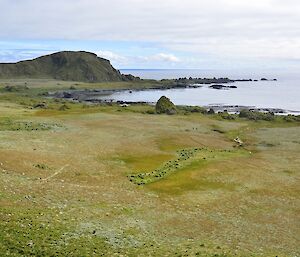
164, 105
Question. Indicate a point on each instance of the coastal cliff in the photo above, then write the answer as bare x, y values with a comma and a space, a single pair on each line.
67, 65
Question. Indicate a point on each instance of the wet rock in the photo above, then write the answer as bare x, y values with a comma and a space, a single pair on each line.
219, 86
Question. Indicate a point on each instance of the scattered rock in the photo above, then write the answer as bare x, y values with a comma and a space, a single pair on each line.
238, 141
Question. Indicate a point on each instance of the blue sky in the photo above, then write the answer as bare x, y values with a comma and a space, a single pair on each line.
122, 54
215, 34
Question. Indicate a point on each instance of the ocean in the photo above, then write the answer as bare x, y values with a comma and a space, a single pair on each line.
283, 93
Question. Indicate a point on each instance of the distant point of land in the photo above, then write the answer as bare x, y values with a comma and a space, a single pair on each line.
68, 65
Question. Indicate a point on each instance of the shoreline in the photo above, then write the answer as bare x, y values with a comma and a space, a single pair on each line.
93, 96
99, 96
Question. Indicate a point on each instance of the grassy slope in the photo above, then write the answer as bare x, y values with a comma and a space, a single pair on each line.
38, 86
64, 190
67, 65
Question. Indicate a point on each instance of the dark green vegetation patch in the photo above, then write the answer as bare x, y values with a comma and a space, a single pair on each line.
18, 88
68, 65
164, 105
292, 118
186, 158
254, 115
8, 124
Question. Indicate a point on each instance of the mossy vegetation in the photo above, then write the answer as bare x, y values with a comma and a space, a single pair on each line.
66, 65
192, 109
18, 88
255, 115
8, 124
164, 105
186, 158
44, 232
67, 192
292, 118
169, 167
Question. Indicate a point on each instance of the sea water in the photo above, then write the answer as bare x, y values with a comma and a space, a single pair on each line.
283, 93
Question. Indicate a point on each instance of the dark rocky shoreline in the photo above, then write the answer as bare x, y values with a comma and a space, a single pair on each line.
87, 94
164, 84
93, 96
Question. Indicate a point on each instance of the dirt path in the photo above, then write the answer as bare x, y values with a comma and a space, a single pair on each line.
55, 173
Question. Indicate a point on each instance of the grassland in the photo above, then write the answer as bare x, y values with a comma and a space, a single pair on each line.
65, 186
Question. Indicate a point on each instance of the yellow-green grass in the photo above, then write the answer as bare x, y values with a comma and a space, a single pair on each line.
57, 84
186, 160
65, 192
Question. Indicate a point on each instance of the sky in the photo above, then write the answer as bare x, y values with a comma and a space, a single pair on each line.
170, 34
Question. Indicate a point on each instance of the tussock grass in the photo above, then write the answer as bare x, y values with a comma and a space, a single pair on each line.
185, 159
7, 124
65, 192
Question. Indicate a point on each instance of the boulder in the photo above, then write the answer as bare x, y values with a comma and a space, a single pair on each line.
164, 105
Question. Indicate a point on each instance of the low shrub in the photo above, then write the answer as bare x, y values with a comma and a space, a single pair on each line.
150, 112
255, 115
226, 116
291, 118
192, 109
15, 88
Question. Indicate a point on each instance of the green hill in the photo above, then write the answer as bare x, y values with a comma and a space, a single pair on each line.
67, 65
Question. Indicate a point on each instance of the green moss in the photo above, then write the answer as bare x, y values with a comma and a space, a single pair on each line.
292, 118
186, 160
40, 233
227, 116
18, 88
192, 109
7, 124
255, 115
67, 65
164, 218
164, 105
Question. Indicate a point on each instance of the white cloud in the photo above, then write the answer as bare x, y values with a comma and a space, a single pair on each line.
15, 55
131, 60
231, 28
112, 56
162, 57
